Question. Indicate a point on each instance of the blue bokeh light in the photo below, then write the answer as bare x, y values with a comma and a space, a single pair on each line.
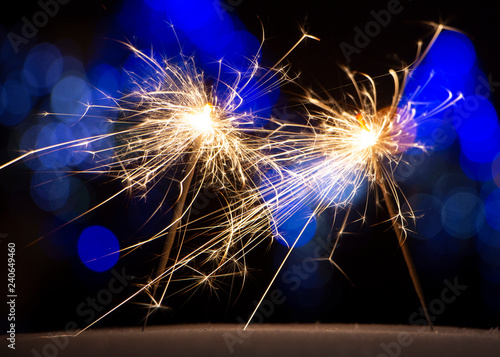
428, 210
16, 101
492, 209
70, 98
488, 247
495, 170
435, 135
451, 183
282, 192
98, 248
427, 88
43, 67
463, 215
453, 53
158, 5
198, 15
64, 133
301, 222
27, 143
51, 134
45, 139
477, 171
216, 39
106, 79
50, 189
475, 119
73, 66
485, 151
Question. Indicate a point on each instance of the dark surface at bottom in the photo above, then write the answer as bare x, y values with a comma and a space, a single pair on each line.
265, 340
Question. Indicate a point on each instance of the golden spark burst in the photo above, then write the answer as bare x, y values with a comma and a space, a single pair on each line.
181, 127
345, 144
175, 126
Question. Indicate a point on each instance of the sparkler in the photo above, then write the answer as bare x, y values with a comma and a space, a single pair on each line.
343, 146
184, 124
176, 127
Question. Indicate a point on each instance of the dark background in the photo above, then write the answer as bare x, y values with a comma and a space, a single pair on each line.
50, 289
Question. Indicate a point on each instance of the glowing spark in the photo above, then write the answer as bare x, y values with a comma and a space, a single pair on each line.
173, 128
367, 137
362, 122
202, 122
338, 150
176, 128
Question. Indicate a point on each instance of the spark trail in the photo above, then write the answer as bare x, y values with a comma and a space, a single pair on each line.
345, 144
181, 127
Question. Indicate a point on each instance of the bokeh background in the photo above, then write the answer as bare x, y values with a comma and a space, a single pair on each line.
71, 55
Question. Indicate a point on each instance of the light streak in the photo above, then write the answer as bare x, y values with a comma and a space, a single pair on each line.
345, 144
177, 128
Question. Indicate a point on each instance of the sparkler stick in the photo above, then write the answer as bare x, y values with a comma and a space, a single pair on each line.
177, 215
405, 250
343, 148
176, 218
169, 121
174, 124
186, 182
163, 136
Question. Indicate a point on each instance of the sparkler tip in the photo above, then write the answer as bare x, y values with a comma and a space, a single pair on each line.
202, 120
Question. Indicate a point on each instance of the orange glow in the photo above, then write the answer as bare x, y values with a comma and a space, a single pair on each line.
362, 122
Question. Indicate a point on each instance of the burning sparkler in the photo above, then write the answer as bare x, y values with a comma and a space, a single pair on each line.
175, 127
181, 123
343, 146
